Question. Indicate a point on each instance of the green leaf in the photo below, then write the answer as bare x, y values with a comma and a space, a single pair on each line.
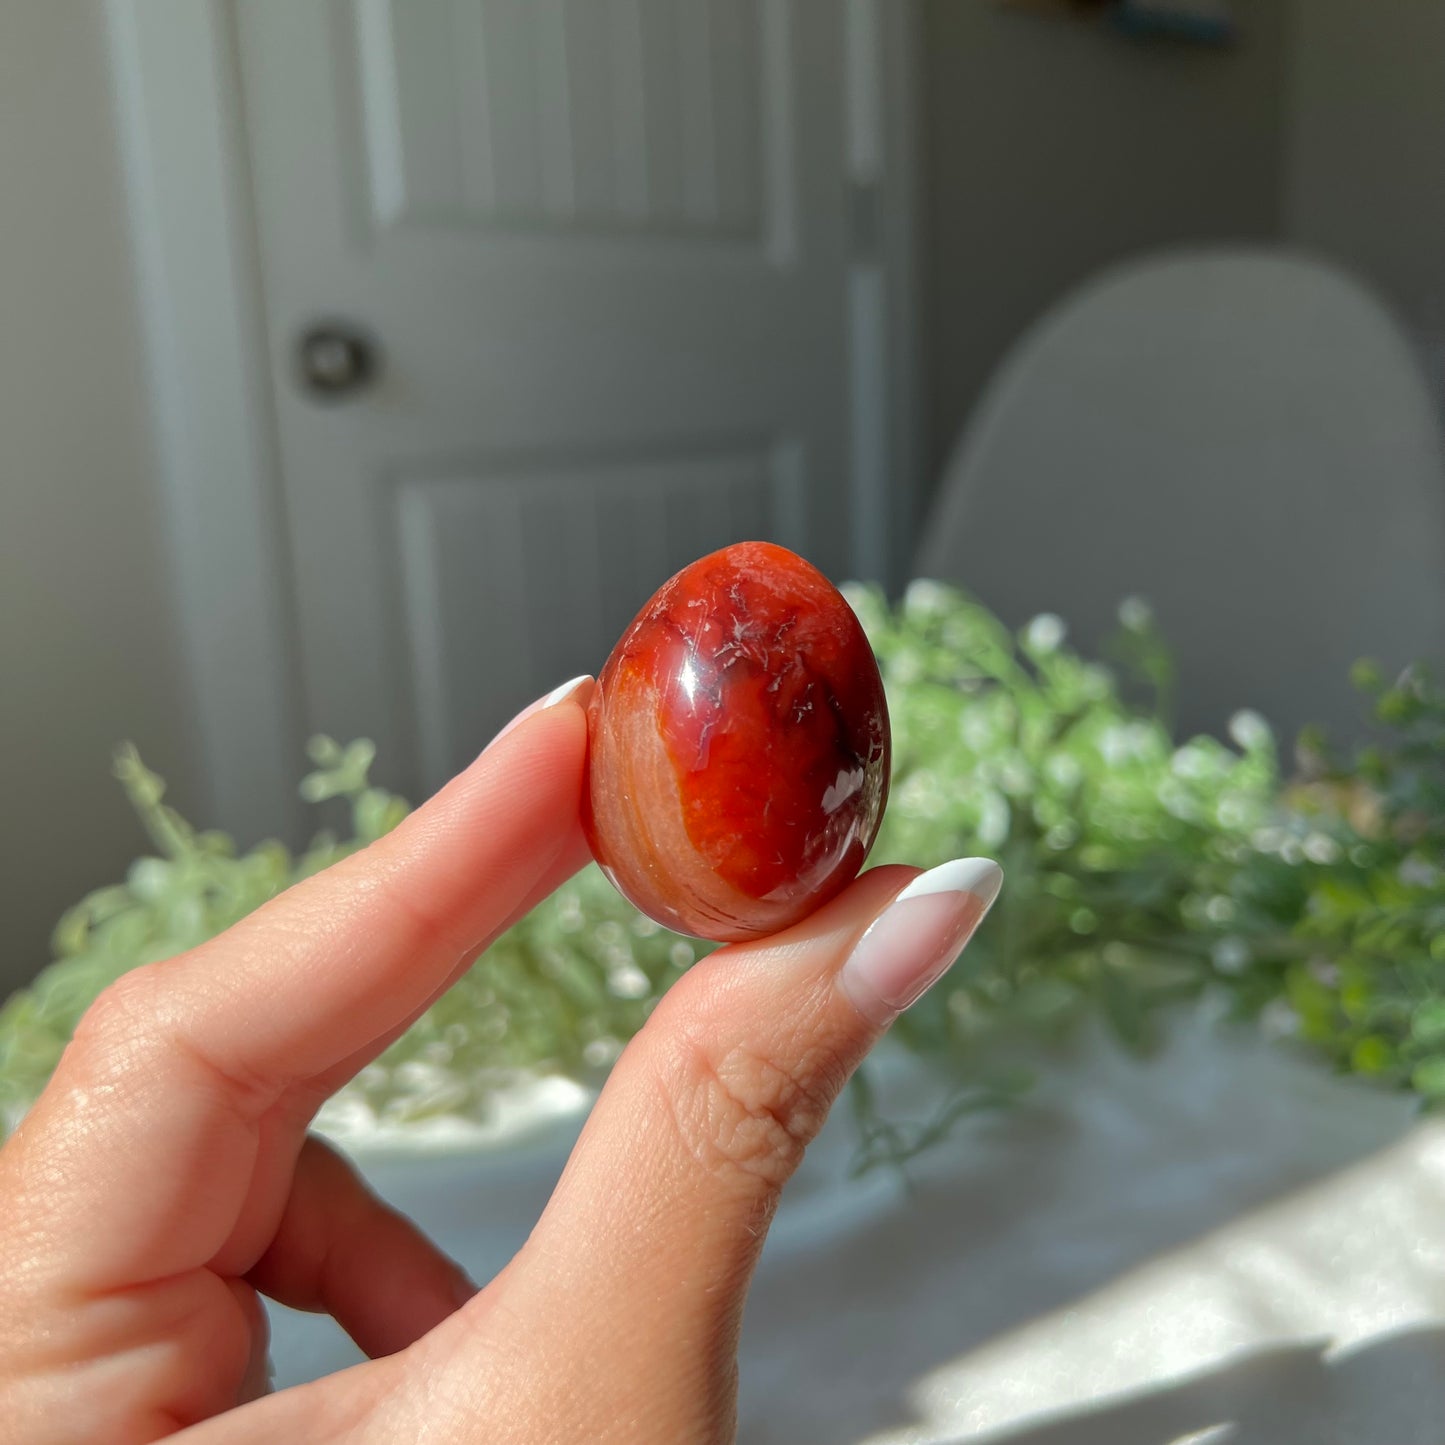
1427, 1025
1366, 675
1124, 1011
1372, 1055
1428, 1078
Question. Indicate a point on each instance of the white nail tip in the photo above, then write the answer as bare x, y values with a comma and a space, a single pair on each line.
571, 686
981, 877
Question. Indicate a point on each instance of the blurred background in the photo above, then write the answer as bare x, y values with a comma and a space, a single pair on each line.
364, 366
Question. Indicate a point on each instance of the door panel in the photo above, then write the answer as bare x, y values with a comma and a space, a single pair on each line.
588, 116
602, 532
602, 246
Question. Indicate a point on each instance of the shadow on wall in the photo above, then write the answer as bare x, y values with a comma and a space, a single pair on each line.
1290, 1395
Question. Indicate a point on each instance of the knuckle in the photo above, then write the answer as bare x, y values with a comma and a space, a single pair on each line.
117, 1026
742, 1113
113, 1057
134, 1035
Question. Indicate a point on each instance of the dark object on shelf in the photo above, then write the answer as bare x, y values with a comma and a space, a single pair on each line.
1199, 22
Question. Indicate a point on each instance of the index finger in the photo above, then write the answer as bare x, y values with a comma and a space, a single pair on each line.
337, 964
332, 968
187, 1088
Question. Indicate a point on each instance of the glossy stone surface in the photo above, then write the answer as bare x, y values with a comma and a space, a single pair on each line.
739, 747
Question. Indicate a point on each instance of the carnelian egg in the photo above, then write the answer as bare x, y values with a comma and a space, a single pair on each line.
739, 747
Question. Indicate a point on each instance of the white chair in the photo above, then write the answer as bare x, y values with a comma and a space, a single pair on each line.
1244, 438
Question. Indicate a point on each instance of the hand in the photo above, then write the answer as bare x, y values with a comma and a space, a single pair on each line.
165, 1179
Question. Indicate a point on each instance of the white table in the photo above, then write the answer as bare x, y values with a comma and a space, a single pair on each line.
1220, 1244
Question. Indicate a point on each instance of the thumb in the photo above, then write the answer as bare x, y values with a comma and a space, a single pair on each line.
650, 1239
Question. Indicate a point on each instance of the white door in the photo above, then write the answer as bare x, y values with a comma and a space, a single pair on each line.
602, 249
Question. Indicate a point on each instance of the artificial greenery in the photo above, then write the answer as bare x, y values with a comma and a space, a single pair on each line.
1139, 873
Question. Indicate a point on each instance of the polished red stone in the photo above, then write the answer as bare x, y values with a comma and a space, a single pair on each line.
738, 747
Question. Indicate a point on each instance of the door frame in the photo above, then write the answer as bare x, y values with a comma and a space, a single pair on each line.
184, 160
186, 167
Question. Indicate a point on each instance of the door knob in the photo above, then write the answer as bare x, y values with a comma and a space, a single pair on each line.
335, 360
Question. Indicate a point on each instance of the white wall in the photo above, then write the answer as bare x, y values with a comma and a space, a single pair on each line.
1054, 147
1365, 148
88, 649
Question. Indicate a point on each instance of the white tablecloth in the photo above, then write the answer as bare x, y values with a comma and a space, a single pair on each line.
1219, 1244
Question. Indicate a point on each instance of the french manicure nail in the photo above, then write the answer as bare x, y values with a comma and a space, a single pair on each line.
555, 696
914, 941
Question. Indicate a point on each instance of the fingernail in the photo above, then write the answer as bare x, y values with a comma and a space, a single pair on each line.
914, 941
555, 696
